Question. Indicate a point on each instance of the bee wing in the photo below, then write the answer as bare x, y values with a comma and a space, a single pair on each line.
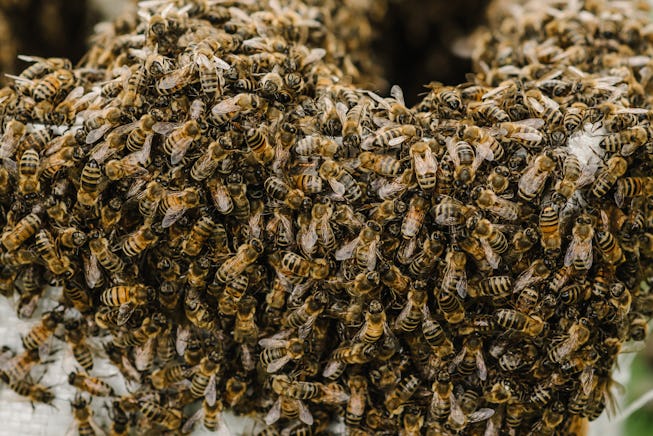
273, 342
371, 256
459, 357
480, 365
92, 272
194, 419
331, 368
101, 152
165, 128
278, 364
210, 390
304, 414
172, 215
480, 415
535, 105
181, 341
426, 164
338, 188
225, 107
457, 415
396, 141
347, 250
341, 110
144, 355
221, 63
11, 166
95, 134
397, 93
588, 380
490, 255
180, 150
527, 136
309, 237
305, 329
535, 123
124, 313
274, 413
125, 128
314, 55
173, 78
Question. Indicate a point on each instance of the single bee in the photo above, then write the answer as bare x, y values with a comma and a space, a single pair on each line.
483, 141
21, 231
427, 259
303, 318
277, 352
19, 366
235, 390
466, 160
363, 248
230, 108
487, 200
314, 145
525, 132
499, 179
148, 201
375, 324
76, 336
179, 138
53, 84
384, 165
55, 262
413, 313
42, 331
245, 328
203, 230
71, 237
495, 287
414, 218
494, 242
90, 184
396, 399
127, 298
341, 182
471, 358
357, 400
92, 385
208, 162
549, 224
579, 252
628, 187
281, 191
169, 418
36, 393
174, 204
28, 172
149, 328
534, 177
100, 251
352, 129
577, 335
607, 176
512, 319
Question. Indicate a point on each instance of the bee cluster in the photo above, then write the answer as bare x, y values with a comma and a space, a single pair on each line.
242, 228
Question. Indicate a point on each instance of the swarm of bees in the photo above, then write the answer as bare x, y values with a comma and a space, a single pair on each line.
241, 228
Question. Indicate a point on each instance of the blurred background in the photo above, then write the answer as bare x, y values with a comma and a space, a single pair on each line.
418, 41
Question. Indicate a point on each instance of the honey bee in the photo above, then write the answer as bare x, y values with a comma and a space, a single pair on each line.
426, 260
316, 146
391, 135
543, 107
495, 287
281, 191
169, 418
277, 352
375, 324
342, 183
450, 305
384, 165
607, 244
607, 176
245, 329
174, 204
36, 393
53, 84
148, 201
363, 247
19, 366
357, 400
21, 231
42, 331
149, 328
494, 242
486, 199
450, 212
483, 141
76, 336
99, 248
534, 177
83, 416
437, 338
55, 262
512, 319
577, 335
230, 108
454, 276
579, 252
466, 160
626, 141
90, 184
202, 230
290, 408
305, 316
28, 172
525, 132
396, 399
92, 385
471, 358
138, 241
414, 218
127, 297
631, 187
179, 138
549, 223
352, 130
